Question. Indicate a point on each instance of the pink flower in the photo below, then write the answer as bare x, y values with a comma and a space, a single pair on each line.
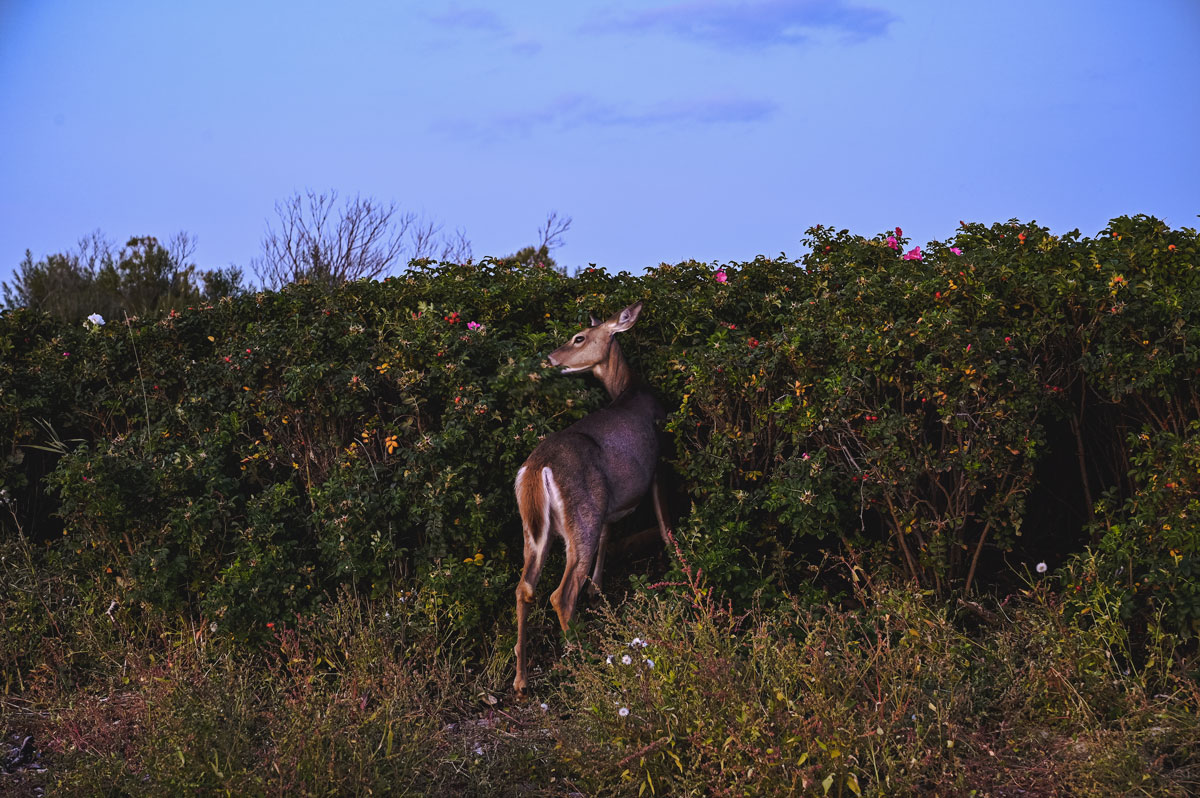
474, 325
914, 254
899, 233
956, 250
721, 276
891, 242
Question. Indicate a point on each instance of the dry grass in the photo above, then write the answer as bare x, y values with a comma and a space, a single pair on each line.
887, 693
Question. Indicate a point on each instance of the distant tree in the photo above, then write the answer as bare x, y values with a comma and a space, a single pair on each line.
58, 285
64, 284
223, 282
549, 237
148, 278
429, 245
319, 241
144, 278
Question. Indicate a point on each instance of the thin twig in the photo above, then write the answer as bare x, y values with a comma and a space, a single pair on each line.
141, 381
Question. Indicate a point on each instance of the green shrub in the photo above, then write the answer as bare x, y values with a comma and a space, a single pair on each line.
243, 460
1147, 560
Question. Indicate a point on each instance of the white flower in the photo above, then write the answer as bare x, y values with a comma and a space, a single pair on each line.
637, 641
1041, 568
96, 319
608, 660
649, 663
625, 660
623, 711
545, 707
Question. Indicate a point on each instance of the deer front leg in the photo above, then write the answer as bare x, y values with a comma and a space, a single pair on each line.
598, 568
660, 510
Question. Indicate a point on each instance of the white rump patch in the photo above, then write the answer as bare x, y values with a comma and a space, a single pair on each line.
554, 504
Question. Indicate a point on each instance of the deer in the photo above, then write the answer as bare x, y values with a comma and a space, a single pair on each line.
581, 479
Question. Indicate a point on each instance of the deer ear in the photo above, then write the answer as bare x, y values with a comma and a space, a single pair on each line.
595, 321
625, 319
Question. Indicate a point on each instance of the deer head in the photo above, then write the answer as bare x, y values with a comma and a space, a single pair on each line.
591, 349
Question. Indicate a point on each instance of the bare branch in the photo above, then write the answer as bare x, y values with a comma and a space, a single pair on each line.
456, 248
319, 241
181, 247
423, 237
93, 252
550, 234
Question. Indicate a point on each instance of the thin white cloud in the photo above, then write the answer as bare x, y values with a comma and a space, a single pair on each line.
571, 111
474, 19
470, 18
754, 23
575, 111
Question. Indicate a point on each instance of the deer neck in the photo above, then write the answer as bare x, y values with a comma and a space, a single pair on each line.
614, 372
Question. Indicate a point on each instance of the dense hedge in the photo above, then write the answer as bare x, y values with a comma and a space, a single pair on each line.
1008, 391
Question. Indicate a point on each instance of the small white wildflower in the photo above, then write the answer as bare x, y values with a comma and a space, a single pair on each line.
625, 660
479, 750
608, 660
1041, 568
637, 641
649, 663
212, 627
96, 319
545, 707
623, 711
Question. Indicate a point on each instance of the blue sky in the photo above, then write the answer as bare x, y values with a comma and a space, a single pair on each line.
707, 129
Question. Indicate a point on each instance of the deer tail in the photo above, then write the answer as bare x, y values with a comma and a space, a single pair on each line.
534, 503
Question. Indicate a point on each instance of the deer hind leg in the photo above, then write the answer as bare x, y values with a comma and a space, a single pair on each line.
582, 526
574, 575
535, 522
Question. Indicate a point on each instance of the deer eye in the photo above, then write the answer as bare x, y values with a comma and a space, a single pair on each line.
578, 339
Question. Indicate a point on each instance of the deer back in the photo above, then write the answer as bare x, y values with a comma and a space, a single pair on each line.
618, 443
